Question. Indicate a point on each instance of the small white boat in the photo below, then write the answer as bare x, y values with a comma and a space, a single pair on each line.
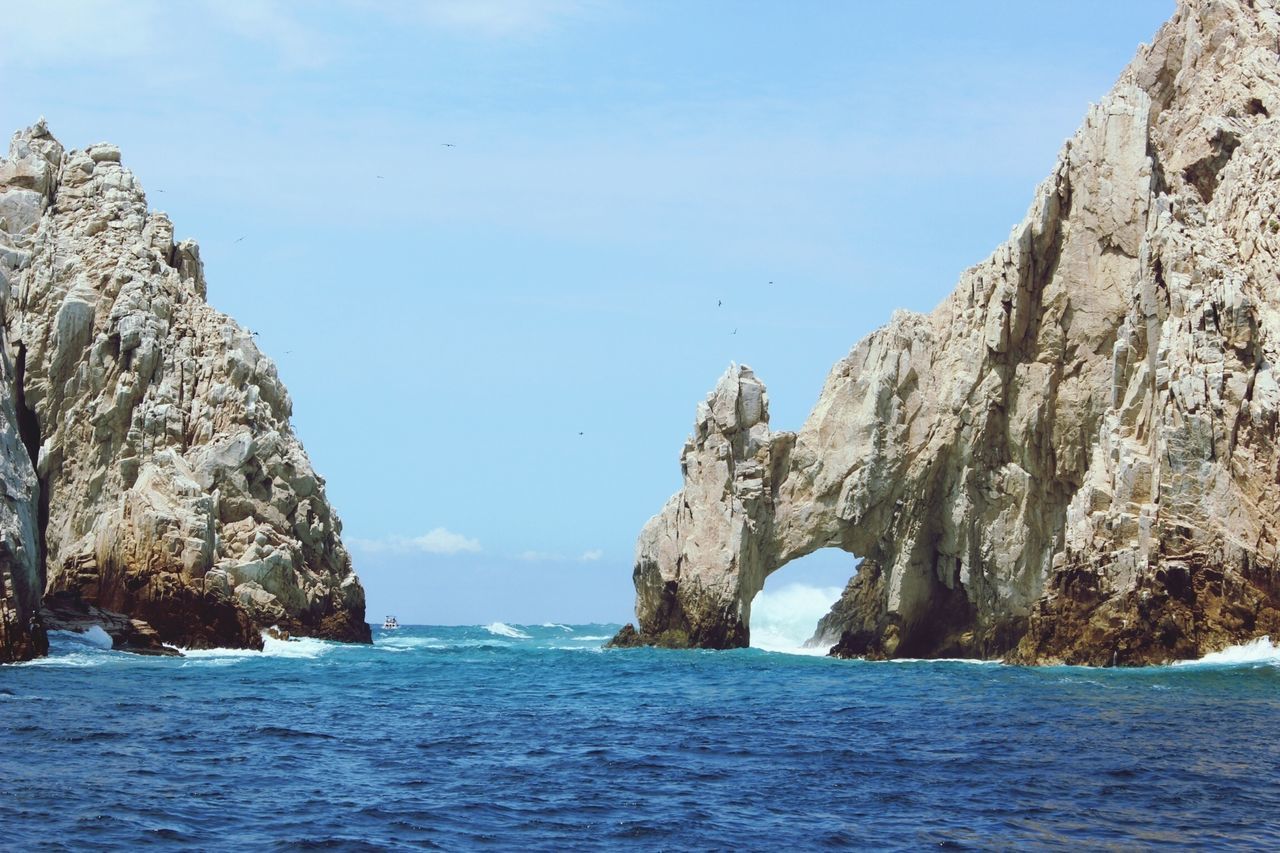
390, 624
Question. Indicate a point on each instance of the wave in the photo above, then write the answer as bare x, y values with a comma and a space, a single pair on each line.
301, 647
557, 625
502, 629
75, 649
98, 638
1259, 651
401, 643
975, 661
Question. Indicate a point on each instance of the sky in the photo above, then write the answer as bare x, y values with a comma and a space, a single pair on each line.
500, 250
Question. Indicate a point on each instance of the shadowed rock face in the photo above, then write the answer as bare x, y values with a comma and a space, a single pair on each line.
1073, 457
168, 485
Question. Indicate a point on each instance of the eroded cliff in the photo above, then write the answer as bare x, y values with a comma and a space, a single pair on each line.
1073, 457
168, 484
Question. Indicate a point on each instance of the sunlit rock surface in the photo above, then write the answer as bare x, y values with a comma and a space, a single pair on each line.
1073, 457
168, 484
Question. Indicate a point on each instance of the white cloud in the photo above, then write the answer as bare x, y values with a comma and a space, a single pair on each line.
538, 556
591, 556
437, 541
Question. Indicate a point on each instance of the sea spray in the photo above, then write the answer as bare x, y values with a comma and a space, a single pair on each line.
1259, 651
502, 629
783, 619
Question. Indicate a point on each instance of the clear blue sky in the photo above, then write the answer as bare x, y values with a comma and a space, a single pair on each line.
449, 319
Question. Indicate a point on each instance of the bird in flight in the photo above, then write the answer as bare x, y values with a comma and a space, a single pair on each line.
379, 177
253, 334
448, 145
580, 433
718, 303
238, 239
734, 332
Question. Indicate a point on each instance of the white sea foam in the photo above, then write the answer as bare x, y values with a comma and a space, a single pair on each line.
408, 644
595, 638
783, 619
557, 625
977, 661
502, 629
302, 647
1261, 650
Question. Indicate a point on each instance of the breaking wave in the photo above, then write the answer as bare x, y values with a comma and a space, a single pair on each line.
72, 649
301, 647
502, 629
1259, 651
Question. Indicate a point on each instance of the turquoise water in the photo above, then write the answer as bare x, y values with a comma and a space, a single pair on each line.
532, 736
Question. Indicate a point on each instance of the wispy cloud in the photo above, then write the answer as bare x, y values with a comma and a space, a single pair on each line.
437, 541
79, 32
538, 556
485, 18
271, 23
589, 556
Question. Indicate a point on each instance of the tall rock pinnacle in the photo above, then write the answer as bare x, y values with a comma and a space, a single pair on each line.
145, 442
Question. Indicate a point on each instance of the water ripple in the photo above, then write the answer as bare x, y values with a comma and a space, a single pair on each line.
507, 735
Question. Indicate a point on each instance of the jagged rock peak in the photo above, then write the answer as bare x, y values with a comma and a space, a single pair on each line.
1072, 458
168, 483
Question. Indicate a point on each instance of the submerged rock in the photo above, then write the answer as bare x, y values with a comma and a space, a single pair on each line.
168, 484
1073, 457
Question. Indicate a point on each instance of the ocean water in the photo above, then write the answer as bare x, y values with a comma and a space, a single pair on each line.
533, 737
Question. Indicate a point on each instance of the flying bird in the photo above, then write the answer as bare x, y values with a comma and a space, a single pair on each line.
448, 145
734, 332
718, 303
238, 239
379, 177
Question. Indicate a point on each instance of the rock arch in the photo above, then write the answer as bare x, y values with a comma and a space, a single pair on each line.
1072, 457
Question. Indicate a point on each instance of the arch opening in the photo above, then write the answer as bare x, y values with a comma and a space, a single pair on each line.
795, 597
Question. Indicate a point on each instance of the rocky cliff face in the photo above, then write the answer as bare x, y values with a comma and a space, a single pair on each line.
168, 484
1073, 457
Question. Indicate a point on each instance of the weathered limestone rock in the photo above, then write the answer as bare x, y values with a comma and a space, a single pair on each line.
24, 178
1073, 457
171, 486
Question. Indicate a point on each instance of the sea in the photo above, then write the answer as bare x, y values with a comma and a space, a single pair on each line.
535, 737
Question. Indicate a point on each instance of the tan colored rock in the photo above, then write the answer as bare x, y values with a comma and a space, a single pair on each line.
1073, 457
169, 475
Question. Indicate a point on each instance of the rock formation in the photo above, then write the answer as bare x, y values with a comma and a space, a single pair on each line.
1071, 459
168, 485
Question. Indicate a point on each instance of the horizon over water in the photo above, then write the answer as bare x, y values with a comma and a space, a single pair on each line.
534, 735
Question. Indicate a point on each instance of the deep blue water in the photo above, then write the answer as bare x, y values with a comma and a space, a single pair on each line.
461, 737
